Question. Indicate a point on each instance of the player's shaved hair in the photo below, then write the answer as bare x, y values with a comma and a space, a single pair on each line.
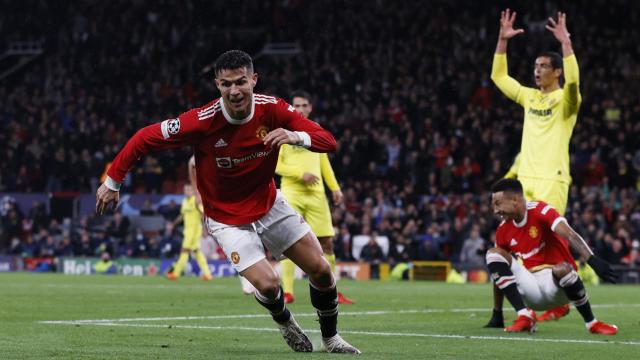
507, 185
233, 59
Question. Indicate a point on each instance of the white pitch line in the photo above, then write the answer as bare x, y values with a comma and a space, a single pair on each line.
238, 316
253, 316
373, 333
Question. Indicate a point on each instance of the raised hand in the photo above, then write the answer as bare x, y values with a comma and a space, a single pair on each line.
559, 28
507, 18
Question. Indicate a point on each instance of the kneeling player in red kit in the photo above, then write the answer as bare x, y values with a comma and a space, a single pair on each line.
535, 233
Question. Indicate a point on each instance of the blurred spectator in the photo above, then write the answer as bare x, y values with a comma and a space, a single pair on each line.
85, 246
170, 243
118, 228
372, 254
473, 249
147, 210
65, 247
170, 211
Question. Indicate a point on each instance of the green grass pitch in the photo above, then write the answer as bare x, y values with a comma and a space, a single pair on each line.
55, 316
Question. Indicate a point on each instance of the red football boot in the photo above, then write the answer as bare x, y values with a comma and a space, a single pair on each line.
344, 300
603, 329
523, 324
289, 298
555, 313
172, 276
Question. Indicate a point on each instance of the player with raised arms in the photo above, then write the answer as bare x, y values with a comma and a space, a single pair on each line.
550, 114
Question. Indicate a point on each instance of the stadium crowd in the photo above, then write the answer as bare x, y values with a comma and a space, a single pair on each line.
404, 87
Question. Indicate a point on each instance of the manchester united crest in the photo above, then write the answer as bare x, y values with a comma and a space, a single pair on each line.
235, 258
533, 232
262, 132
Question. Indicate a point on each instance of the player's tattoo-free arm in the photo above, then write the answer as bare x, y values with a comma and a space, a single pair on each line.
499, 69
576, 242
600, 266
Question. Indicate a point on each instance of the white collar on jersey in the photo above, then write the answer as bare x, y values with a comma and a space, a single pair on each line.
523, 222
236, 121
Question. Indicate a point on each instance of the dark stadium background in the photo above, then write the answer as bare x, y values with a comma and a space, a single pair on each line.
403, 85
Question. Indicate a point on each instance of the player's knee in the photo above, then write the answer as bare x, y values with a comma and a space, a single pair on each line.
565, 274
269, 286
320, 273
498, 255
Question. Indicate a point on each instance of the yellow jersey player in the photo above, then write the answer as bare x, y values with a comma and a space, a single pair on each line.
191, 215
550, 114
302, 173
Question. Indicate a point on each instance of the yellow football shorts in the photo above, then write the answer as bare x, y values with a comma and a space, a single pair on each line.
314, 208
192, 237
554, 193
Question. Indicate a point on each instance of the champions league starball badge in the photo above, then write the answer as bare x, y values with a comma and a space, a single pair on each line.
173, 126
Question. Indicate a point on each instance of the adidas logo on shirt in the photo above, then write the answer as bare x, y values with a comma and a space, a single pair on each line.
513, 242
220, 143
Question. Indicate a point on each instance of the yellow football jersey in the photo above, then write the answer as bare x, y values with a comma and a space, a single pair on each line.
191, 214
549, 120
294, 161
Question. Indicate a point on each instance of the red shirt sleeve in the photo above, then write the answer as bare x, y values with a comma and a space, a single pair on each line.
287, 117
168, 134
501, 241
549, 216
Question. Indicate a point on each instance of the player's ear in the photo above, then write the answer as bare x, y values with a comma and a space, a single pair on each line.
254, 79
558, 73
217, 84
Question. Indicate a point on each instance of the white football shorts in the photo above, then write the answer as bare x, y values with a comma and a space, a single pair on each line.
244, 244
539, 291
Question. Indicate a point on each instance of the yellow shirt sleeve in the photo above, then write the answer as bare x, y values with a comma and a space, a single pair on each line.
286, 169
571, 89
327, 173
509, 86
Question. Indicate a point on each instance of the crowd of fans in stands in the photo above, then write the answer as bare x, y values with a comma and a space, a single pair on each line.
404, 87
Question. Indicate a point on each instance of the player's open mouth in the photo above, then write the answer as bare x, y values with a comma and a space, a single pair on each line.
236, 102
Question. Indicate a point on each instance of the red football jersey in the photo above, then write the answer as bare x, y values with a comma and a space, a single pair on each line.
533, 240
234, 168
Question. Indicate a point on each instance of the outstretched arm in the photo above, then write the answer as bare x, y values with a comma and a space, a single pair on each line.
571, 70
507, 18
500, 70
577, 243
171, 133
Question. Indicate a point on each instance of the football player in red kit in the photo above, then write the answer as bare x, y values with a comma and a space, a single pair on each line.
535, 233
235, 140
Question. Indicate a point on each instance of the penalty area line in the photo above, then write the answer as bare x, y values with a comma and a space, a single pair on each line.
368, 333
